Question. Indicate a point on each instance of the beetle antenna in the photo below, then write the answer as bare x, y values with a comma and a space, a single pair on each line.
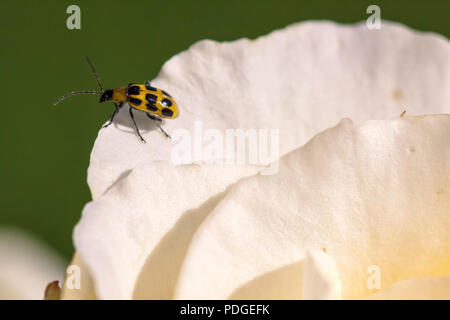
74, 93
95, 74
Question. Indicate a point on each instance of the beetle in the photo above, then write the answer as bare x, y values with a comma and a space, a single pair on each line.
157, 104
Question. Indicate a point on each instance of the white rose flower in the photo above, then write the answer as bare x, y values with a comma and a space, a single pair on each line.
27, 265
331, 208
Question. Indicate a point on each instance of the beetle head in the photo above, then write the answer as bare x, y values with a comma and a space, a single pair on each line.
107, 95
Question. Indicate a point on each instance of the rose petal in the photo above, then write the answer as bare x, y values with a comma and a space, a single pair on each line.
321, 279
428, 288
142, 213
376, 194
86, 290
303, 79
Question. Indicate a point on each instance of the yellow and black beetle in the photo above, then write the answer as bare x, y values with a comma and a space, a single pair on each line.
156, 103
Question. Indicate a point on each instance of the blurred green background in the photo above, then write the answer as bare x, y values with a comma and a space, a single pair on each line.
45, 150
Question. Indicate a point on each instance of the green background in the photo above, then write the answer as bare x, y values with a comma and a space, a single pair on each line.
45, 150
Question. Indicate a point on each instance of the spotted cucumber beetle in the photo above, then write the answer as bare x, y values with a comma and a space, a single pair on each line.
156, 103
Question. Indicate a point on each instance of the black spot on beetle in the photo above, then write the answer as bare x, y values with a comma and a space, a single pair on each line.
166, 93
166, 102
167, 112
151, 98
151, 107
134, 90
149, 87
135, 101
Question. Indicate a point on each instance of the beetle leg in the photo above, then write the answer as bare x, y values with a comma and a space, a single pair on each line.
135, 125
118, 105
158, 125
